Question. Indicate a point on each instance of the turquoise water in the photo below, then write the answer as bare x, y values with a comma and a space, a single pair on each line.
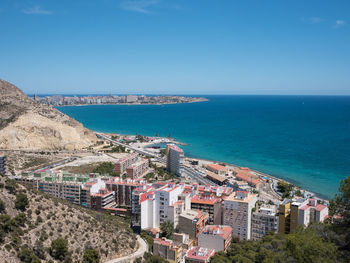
304, 139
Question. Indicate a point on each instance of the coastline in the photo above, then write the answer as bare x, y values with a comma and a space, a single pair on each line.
132, 104
273, 178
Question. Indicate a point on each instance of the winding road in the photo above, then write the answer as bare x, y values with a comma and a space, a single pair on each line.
143, 247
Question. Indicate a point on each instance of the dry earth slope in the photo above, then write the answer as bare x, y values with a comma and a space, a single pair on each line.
27, 229
26, 124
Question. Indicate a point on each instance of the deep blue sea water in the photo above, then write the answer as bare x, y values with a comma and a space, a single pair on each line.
304, 139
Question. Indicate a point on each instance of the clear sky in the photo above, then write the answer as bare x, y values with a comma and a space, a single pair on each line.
176, 46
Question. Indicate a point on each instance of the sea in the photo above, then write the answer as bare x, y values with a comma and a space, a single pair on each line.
302, 139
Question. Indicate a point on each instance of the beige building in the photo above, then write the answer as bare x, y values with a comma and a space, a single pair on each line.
238, 213
218, 169
215, 237
137, 169
166, 249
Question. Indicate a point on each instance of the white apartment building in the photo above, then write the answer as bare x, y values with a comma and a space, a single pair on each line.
311, 212
165, 197
142, 205
238, 213
147, 205
131, 98
264, 221
156, 206
175, 159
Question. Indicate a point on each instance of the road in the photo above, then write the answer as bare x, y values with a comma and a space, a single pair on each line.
197, 176
143, 247
53, 165
101, 135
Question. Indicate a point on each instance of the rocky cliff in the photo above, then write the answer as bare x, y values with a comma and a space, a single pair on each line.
26, 124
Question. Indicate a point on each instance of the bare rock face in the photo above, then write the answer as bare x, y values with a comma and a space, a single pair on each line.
26, 124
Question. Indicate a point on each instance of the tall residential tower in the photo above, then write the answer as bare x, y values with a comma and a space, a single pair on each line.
175, 159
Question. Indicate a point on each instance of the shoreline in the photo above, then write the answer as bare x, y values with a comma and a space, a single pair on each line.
131, 104
259, 173
262, 174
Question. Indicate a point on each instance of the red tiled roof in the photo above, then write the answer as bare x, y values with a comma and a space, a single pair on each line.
200, 253
162, 242
146, 196
250, 178
217, 167
175, 148
223, 231
318, 207
200, 200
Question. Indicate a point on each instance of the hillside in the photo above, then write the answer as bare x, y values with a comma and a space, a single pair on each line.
30, 221
26, 124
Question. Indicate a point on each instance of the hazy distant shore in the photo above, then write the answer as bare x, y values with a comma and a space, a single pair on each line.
133, 104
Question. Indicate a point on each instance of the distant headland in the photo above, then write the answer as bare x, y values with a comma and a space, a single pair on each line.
59, 100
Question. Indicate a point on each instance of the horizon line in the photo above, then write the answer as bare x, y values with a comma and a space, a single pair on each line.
179, 94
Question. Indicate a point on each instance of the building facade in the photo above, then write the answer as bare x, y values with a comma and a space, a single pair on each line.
215, 237
137, 169
166, 249
165, 197
300, 211
238, 213
175, 159
123, 189
218, 169
264, 221
209, 204
192, 222
123, 163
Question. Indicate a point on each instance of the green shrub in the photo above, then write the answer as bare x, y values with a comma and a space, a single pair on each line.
11, 186
106, 168
59, 249
21, 201
28, 256
2, 207
91, 256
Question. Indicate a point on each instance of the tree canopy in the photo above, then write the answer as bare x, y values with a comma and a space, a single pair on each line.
319, 242
167, 229
91, 256
59, 248
304, 245
340, 209
106, 168
21, 201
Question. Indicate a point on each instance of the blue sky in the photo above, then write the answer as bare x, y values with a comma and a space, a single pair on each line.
176, 46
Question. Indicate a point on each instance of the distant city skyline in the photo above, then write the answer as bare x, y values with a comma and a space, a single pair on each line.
187, 47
